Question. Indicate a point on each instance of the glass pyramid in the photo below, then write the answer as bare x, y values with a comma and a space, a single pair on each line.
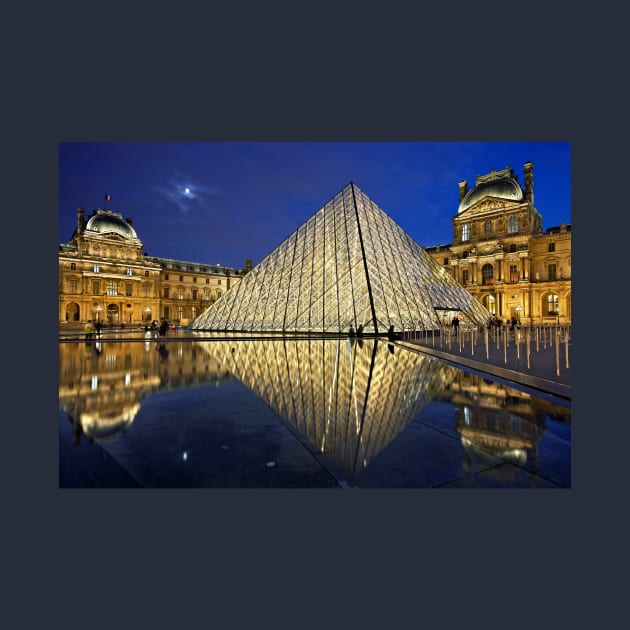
350, 264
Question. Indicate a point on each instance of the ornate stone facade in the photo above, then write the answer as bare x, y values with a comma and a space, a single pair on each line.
501, 254
104, 276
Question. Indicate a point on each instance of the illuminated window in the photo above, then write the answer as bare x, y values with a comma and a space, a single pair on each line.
180, 294
96, 269
129, 271
512, 225
552, 304
487, 274
465, 232
513, 273
112, 287
491, 304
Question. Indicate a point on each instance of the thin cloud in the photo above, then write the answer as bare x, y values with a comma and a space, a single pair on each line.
185, 194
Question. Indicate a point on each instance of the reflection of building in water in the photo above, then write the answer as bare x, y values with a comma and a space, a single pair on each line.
101, 384
349, 264
498, 419
348, 399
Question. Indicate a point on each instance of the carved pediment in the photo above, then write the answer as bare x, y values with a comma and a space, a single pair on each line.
109, 237
489, 203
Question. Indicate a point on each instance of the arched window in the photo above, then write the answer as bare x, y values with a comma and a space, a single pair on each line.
487, 274
487, 228
465, 232
552, 304
513, 225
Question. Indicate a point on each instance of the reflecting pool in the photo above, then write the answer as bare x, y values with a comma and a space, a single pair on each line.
297, 413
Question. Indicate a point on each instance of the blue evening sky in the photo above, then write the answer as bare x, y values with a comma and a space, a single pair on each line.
244, 199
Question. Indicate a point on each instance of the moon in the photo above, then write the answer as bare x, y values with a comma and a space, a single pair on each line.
187, 190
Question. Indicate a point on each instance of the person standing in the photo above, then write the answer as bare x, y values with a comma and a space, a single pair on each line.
163, 327
88, 330
455, 325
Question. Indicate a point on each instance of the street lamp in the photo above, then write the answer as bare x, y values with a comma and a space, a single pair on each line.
519, 308
98, 310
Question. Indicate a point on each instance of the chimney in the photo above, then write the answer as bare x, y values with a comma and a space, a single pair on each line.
463, 189
129, 221
80, 220
529, 182
248, 265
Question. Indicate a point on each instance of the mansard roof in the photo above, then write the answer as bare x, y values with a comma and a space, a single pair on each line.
103, 222
496, 184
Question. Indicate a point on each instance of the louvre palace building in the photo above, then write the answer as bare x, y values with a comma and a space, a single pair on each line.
104, 276
502, 255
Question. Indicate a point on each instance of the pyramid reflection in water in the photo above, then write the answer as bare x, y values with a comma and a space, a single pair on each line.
350, 264
347, 399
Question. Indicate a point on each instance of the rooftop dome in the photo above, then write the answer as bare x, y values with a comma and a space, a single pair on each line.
503, 187
107, 222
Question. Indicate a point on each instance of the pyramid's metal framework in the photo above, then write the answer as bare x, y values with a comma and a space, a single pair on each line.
350, 264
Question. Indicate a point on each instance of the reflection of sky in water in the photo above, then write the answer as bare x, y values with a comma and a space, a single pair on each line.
358, 412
